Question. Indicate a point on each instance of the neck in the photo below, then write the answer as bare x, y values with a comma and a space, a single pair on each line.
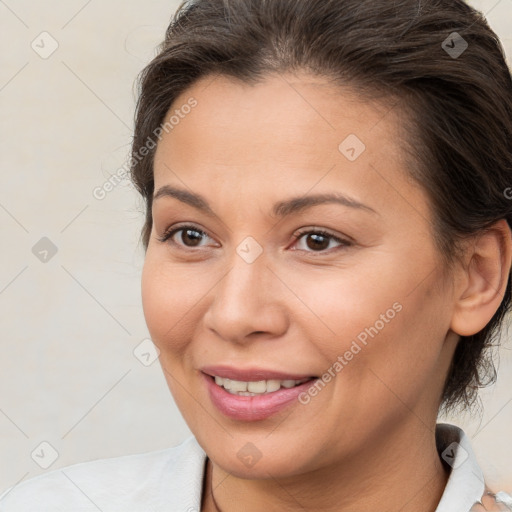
404, 472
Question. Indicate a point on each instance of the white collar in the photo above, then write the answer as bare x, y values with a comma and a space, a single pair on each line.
466, 484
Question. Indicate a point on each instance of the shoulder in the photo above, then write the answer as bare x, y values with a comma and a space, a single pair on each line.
148, 481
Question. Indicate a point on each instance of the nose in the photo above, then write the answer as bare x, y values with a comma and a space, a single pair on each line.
248, 302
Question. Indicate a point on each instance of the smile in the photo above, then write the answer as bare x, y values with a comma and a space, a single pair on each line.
253, 395
261, 387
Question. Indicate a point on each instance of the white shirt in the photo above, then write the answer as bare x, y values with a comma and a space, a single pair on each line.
171, 480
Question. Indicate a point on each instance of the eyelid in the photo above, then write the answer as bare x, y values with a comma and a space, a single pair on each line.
326, 232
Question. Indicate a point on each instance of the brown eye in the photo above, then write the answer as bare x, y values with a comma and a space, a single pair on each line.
317, 242
188, 236
320, 241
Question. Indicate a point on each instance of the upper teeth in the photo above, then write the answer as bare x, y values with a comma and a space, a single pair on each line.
239, 387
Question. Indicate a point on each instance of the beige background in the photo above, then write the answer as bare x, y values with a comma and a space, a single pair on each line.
68, 374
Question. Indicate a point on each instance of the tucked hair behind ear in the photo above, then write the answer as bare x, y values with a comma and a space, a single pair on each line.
459, 107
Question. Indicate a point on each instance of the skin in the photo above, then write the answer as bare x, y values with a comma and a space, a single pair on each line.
366, 441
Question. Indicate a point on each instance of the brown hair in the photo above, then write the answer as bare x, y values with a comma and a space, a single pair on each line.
459, 106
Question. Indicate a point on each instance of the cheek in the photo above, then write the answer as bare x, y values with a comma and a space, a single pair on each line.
344, 305
395, 359
169, 303
382, 318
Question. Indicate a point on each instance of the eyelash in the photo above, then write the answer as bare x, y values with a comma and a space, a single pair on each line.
343, 243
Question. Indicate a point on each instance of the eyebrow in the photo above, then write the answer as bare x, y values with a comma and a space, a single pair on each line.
280, 209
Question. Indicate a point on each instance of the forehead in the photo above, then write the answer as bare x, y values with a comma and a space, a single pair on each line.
288, 131
283, 112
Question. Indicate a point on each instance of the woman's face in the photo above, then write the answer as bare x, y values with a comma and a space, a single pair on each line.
267, 278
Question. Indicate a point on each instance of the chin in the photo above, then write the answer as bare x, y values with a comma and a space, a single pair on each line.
258, 457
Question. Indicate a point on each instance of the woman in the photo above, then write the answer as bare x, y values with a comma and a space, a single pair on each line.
328, 256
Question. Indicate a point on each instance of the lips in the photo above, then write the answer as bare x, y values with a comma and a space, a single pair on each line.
272, 391
251, 375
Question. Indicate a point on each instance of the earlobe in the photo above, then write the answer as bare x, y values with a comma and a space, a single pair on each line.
484, 281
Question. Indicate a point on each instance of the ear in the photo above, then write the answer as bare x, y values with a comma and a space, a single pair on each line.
482, 283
